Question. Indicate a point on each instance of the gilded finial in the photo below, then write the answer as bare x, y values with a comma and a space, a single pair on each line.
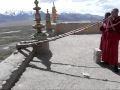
47, 11
39, 35
54, 14
38, 24
36, 2
53, 4
48, 21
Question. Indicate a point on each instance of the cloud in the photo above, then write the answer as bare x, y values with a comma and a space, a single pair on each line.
108, 6
80, 0
96, 7
25, 5
47, 1
103, 1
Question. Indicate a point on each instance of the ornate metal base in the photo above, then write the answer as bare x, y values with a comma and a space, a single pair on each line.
40, 36
51, 33
43, 53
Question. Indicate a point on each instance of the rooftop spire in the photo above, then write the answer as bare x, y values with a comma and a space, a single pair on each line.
53, 4
48, 21
47, 11
39, 35
54, 14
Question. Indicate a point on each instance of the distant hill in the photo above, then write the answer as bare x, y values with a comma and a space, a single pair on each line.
24, 16
79, 17
12, 16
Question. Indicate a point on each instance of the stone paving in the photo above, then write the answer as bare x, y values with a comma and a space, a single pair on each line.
71, 58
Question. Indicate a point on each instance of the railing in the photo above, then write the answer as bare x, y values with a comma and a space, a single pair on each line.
32, 43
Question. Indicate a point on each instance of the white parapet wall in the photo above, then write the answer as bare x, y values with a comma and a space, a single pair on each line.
12, 67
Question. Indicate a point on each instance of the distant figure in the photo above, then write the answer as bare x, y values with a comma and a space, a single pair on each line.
104, 37
113, 37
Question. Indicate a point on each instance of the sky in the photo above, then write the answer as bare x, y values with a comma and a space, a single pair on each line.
95, 7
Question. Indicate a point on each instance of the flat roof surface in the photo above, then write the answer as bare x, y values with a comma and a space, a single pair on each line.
72, 58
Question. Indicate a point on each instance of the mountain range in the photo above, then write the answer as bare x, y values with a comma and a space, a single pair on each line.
21, 16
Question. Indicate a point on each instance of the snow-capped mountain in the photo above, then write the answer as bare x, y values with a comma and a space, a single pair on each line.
9, 16
16, 12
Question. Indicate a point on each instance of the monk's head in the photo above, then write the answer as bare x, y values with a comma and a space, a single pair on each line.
107, 14
114, 12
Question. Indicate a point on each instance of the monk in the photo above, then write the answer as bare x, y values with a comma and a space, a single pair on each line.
103, 38
113, 36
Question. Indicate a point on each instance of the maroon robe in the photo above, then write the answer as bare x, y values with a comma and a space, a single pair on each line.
102, 29
103, 41
113, 37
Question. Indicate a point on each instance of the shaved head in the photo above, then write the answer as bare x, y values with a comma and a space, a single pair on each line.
115, 12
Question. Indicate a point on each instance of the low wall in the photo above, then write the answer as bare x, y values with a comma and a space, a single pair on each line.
66, 27
12, 67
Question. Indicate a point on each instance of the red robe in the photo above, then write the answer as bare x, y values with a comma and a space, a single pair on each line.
102, 29
113, 37
103, 41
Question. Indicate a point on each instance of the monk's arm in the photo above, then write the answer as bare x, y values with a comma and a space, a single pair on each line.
115, 26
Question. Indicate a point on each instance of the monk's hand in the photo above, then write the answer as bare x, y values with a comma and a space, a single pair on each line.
110, 18
113, 27
104, 25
